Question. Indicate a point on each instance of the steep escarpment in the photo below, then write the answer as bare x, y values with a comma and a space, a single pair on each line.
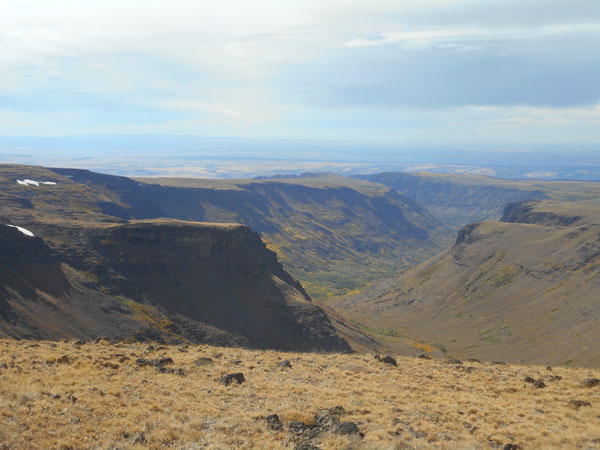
525, 212
518, 291
457, 200
163, 280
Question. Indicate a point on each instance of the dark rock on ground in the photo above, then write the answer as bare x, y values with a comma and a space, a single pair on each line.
499, 363
204, 361
180, 372
590, 383
389, 360
512, 447
536, 383
232, 377
423, 356
285, 364
304, 430
455, 361
574, 403
274, 423
306, 446
347, 428
473, 360
160, 362
328, 418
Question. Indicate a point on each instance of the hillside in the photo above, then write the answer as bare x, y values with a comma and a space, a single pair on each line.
458, 200
187, 282
155, 396
334, 234
70, 269
523, 290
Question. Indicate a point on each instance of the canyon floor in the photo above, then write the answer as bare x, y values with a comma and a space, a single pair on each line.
72, 395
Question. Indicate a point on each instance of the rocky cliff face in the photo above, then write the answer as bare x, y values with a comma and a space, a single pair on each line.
524, 212
168, 280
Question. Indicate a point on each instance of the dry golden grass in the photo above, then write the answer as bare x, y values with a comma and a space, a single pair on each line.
98, 397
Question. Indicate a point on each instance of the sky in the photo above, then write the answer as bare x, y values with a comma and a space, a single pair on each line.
436, 72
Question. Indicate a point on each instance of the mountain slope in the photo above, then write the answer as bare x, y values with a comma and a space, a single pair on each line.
333, 233
524, 291
177, 281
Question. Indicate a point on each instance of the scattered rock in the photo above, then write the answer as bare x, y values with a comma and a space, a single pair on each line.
304, 430
590, 383
274, 423
499, 363
179, 371
306, 446
347, 428
328, 418
136, 438
160, 362
230, 378
578, 403
204, 361
236, 362
549, 369
423, 356
473, 360
64, 360
537, 383
458, 362
285, 364
512, 447
389, 360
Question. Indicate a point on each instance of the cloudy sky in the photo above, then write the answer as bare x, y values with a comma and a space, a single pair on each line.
393, 71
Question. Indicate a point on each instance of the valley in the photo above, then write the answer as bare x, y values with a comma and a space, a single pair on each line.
386, 274
523, 289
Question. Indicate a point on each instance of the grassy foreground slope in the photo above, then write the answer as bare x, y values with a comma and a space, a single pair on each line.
522, 290
48, 401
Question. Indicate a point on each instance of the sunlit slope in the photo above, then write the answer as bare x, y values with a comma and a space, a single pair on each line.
159, 396
526, 291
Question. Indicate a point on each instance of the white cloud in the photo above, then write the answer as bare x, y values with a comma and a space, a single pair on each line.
192, 66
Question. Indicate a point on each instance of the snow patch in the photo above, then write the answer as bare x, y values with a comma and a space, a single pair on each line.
22, 230
28, 182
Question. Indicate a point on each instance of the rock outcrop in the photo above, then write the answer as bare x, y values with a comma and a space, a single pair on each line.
159, 280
